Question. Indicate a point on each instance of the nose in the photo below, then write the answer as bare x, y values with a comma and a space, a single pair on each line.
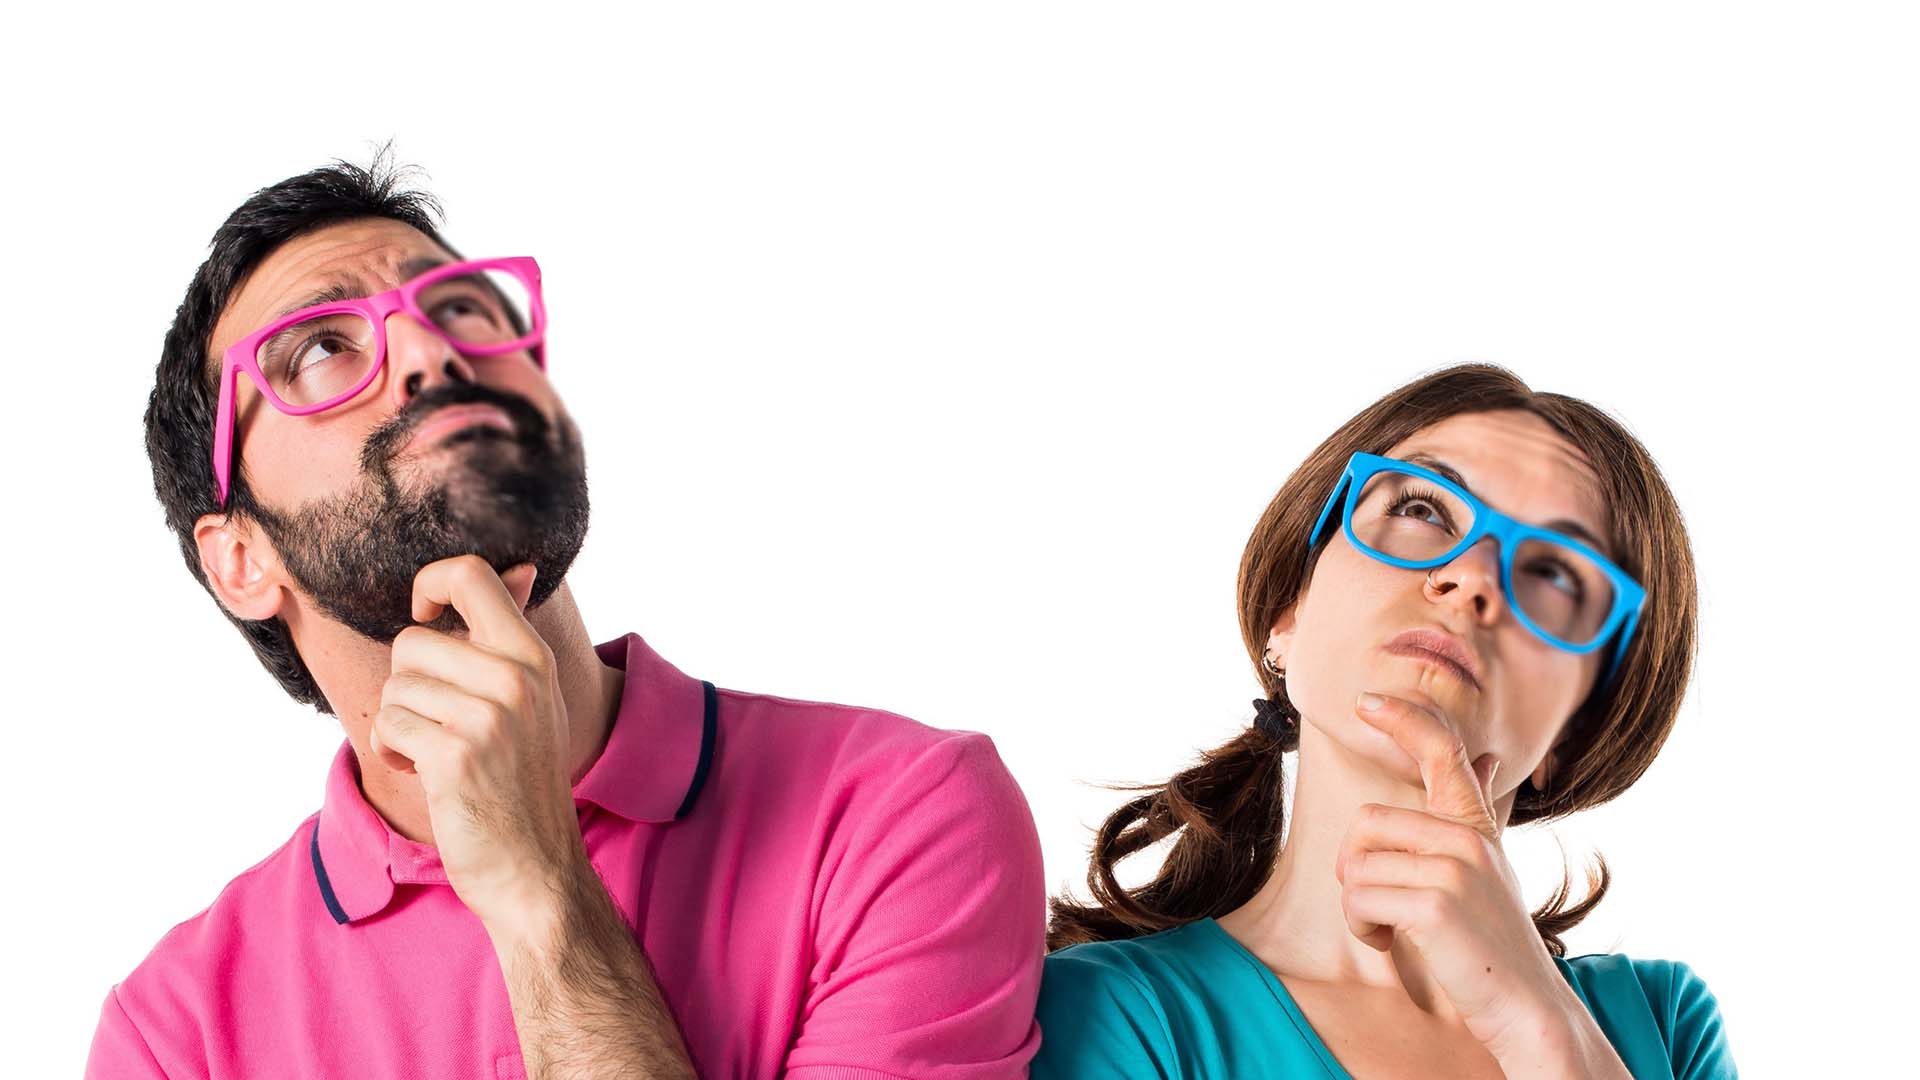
1471, 582
417, 357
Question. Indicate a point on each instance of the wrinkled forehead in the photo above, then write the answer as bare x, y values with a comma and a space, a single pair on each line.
1521, 466
350, 259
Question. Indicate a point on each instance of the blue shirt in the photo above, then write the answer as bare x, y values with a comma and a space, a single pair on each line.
1193, 1003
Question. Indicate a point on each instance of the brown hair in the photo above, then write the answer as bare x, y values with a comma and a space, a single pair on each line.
1228, 808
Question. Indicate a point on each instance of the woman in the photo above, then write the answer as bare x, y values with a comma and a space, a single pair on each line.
1472, 606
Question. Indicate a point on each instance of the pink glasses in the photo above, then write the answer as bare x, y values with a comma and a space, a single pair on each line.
316, 358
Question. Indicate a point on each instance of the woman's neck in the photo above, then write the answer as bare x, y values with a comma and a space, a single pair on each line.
1295, 923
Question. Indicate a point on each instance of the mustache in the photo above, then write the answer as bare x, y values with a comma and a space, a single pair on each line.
529, 426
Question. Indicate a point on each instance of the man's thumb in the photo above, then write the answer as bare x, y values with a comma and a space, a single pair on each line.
519, 582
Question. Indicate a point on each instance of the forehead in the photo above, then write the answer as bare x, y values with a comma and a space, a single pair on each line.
366, 255
1518, 463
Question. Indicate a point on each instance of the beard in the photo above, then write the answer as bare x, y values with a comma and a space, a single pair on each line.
509, 498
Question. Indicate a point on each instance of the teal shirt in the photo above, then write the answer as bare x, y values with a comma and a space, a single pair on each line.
1193, 1004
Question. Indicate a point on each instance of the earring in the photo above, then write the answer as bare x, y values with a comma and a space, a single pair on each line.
1273, 715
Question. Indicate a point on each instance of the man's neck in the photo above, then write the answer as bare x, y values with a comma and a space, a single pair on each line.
351, 671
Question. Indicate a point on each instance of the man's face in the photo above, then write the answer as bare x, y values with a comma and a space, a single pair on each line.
351, 500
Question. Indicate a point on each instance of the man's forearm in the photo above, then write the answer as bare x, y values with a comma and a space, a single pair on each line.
584, 1000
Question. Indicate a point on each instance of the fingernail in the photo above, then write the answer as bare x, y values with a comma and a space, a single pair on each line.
1371, 702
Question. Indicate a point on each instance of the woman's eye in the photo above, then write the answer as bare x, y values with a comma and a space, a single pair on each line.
1422, 510
1560, 576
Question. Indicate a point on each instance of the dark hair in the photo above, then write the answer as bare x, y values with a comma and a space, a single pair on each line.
1225, 813
179, 418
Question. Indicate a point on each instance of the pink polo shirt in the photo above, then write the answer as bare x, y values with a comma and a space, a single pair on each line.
824, 892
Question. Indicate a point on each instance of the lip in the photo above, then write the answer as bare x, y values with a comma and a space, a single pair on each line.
454, 417
1452, 654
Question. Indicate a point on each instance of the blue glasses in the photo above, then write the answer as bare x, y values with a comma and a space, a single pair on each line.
1559, 588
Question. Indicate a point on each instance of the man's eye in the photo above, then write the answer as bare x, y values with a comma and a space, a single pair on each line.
448, 312
316, 351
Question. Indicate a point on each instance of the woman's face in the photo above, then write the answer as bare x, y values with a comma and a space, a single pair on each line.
1332, 643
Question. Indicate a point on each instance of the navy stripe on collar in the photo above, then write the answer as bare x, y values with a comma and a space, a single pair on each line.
326, 887
709, 728
709, 731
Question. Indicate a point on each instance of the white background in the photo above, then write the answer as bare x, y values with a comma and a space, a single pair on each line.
941, 358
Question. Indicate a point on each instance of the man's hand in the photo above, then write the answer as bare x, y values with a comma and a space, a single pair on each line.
481, 721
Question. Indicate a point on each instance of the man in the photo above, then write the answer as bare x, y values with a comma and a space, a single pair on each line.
537, 856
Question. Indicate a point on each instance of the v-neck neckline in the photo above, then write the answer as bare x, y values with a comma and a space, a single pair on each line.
1284, 999
1292, 1008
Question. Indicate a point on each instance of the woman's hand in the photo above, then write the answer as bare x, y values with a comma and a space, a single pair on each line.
1439, 879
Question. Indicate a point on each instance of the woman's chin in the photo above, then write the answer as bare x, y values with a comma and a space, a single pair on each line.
1375, 749
1370, 749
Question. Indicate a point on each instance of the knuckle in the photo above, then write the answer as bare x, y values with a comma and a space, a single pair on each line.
1467, 842
1432, 907
519, 684
458, 763
490, 718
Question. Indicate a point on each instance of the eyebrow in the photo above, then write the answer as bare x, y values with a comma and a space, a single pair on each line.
1566, 525
344, 289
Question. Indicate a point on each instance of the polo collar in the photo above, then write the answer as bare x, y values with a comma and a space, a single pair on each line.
651, 771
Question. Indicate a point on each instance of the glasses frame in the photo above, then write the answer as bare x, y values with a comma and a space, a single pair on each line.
1629, 597
241, 356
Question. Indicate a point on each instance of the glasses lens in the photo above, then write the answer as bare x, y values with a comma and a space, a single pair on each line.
1564, 592
486, 307
317, 359
1409, 517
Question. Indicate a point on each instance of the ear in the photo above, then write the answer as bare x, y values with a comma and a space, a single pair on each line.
1280, 637
241, 567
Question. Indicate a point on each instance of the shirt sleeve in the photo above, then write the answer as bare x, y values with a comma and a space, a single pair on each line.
930, 926
1696, 1036
119, 1051
1097, 1022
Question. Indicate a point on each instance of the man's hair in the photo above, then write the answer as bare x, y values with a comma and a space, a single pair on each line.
180, 411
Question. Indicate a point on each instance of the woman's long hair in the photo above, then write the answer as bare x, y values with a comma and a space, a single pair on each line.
1226, 812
